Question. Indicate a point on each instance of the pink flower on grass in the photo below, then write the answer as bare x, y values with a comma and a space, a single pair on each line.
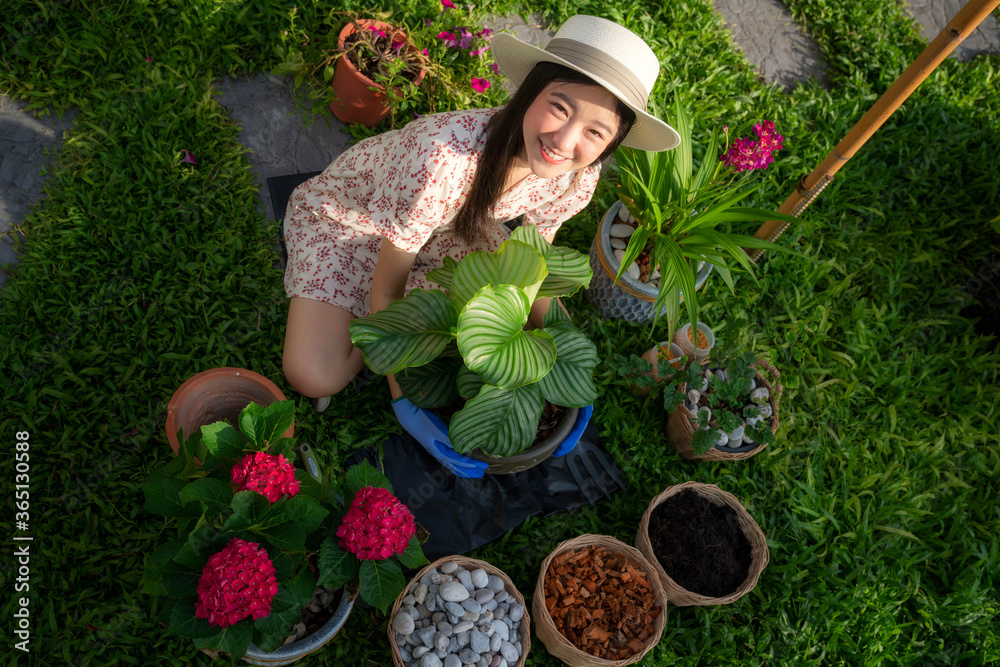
237, 582
148, 59
376, 525
480, 85
447, 4
745, 153
188, 158
271, 476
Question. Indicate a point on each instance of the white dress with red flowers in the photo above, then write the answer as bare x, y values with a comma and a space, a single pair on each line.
407, 186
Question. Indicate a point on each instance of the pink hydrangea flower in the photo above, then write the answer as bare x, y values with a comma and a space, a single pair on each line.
376, 525
271, 476
480, 85
237, 582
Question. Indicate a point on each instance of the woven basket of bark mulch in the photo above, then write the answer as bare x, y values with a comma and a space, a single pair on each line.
598, 603
680, 430
711, 557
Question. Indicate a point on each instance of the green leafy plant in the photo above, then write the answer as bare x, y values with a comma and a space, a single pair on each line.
443, 39
254, 535
472, 343
678, 211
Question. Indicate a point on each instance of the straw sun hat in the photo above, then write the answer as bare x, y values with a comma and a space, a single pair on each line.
611, 55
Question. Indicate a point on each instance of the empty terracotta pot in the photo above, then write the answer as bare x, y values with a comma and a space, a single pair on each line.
218, 394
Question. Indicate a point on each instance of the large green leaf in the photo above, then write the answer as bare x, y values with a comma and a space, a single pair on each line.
163, 498
300, 511
501, 422
468, 382
266, 424
337, 567
413, 557
571, 382
214, 494
445, 274
234, 640
222, 440
568, 270
365, 474
431, 385
493, 342
380, 581
184, 623
410, 332
514, 263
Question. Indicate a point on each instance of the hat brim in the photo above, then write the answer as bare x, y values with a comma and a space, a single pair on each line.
517, 58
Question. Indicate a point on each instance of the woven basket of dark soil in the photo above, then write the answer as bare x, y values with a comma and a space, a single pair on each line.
705, 547
598, 603
680, 430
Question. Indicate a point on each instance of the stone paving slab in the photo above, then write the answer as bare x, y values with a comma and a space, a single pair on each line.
769, 37
24, 141
934, 16
273, 129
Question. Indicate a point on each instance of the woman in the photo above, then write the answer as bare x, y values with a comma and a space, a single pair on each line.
369, 228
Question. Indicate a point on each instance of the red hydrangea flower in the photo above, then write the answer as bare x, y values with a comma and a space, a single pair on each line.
269, 475
236, 583
376, 525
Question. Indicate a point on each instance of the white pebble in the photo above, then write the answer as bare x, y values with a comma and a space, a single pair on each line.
453, 591
632, 271
622, 231
449, 567
479, 578
623, 214
403, 624
618, 244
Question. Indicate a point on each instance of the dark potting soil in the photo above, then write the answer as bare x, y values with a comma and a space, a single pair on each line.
699, 544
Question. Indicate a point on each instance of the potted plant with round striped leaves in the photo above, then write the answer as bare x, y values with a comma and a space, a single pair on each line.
469, 341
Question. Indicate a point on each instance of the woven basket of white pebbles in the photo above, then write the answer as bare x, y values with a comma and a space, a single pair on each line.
460, 612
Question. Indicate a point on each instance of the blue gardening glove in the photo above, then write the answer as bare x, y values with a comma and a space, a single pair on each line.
582, 419
428, 429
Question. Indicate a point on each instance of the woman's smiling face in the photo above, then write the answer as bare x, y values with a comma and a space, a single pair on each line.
567, 128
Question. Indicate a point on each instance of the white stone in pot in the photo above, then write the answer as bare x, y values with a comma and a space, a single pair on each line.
621, 231
721, 438
737, 433
623, 214
619, 255
721, 374
632, 271
759, 395
655, 275
753, 383
766, 410
693, 396
618, 244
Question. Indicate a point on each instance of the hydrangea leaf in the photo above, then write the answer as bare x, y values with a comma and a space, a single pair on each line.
163, 498
381, 581
184, 623
222, 440
413, 557
234, 640
337, 567
214, 494
262, 425
364, 474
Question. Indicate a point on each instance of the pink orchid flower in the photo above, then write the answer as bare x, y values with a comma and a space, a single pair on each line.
480, 85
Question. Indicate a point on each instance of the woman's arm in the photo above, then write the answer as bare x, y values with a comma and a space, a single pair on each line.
389, 284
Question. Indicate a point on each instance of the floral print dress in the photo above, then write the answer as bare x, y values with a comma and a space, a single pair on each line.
407, 186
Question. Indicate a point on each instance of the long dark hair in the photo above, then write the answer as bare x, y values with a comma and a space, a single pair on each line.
505, 141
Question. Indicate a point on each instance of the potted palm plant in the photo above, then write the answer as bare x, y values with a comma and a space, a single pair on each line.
471, 343
666, 224
263, 550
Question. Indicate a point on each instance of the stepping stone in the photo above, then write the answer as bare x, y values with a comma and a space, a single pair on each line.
770, 39
274, 130
934, 16
24, 141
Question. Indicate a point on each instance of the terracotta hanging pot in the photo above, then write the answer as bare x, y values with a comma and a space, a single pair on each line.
356, 101
218, 394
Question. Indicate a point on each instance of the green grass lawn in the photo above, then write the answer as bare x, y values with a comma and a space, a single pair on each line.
879, 501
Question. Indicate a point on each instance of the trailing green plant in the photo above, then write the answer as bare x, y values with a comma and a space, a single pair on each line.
255, 535
471, 342
678, 211
442, 38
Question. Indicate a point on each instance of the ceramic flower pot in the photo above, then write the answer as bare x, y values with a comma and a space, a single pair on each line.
628, 299
535, 454
359, 99
293, 651
216, 395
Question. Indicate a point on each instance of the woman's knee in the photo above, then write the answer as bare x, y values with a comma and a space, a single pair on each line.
318, 375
